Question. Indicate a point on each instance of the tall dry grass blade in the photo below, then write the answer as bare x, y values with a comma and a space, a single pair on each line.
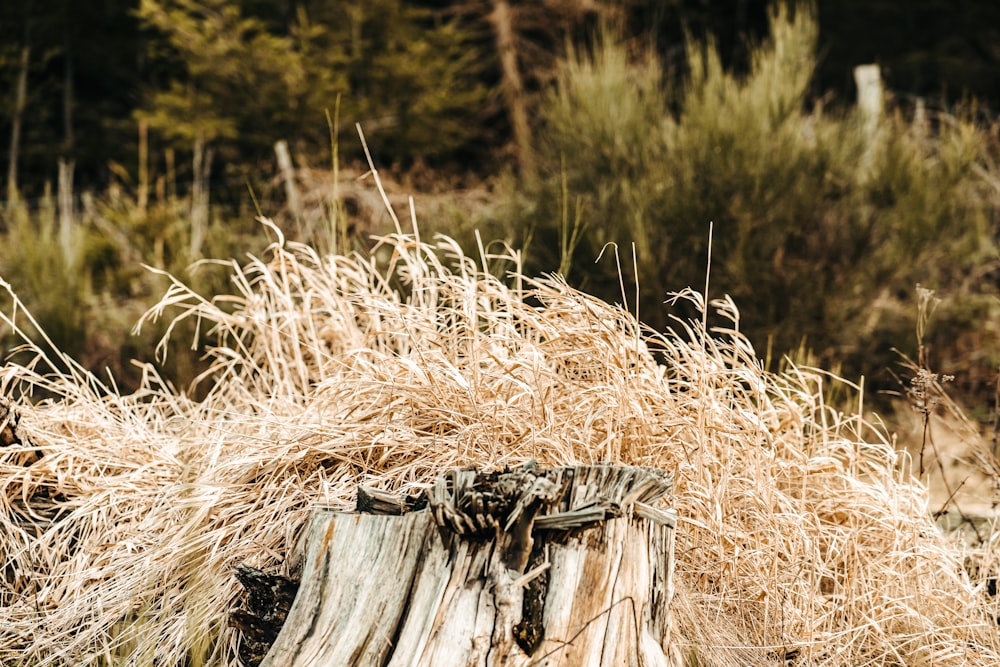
123, 517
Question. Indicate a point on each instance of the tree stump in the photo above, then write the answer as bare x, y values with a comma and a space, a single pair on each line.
563, 567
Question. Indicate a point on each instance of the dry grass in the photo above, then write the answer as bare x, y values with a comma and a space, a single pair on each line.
802, 539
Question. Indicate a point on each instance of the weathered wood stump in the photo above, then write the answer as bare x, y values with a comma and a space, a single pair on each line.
571, 566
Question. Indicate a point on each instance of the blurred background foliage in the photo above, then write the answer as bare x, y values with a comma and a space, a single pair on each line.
146, 132
823, 226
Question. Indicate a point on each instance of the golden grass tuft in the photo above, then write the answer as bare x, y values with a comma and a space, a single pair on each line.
802, 539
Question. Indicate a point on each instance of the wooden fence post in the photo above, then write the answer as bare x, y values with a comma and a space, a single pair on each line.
871, 102
288, 176
66, 218
201, 168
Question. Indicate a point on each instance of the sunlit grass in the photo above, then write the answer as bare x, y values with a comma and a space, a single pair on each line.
801, 534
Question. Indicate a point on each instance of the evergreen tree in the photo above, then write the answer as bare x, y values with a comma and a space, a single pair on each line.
230, 73
246, 81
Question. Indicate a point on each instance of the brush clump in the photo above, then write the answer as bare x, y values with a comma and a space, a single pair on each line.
802, 539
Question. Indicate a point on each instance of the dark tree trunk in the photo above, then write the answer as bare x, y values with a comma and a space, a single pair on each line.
512, 85
20, 102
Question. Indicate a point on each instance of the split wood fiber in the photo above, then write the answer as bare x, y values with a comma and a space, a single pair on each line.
569, 566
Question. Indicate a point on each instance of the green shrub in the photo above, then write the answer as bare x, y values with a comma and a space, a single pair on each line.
87, 295
42, 273
821, 232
